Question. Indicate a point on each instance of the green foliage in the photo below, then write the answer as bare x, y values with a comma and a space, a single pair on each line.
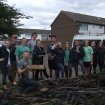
10, 19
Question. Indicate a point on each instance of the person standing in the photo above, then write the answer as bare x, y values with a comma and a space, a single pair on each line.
59, 58
67, 65
51, 56
5, 63
31, 45
100, 55
38, 54
13, 57
21, 49
77, 54
88, 58
93, 45
32, 42
23, 67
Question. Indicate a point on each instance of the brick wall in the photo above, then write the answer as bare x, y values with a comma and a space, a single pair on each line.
45, 43
64, 28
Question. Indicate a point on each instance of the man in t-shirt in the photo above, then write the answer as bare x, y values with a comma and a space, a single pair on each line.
23, 67
32, 42
51, 56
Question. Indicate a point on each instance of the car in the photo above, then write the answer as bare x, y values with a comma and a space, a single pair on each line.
1, 43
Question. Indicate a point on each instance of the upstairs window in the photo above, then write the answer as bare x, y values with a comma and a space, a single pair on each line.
100, 26
83, 27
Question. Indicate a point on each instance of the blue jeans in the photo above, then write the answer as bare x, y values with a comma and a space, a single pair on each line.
80, 62
60, 67
28, 84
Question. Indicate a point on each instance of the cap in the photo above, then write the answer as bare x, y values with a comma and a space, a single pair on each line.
14, 36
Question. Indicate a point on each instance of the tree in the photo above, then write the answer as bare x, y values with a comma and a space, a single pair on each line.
10, 19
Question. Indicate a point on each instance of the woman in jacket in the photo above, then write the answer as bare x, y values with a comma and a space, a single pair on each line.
93, 45
100, 55
6, 64
38, 54
67, 65
59, 58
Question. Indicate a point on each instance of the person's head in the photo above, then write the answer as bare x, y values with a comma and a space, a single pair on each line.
59, 44
34, 36
53, 38
38, 43
93, 44
100, 44
7, 43
85, 43
26, 55
24, 41
14, 38
76, 42
67, 46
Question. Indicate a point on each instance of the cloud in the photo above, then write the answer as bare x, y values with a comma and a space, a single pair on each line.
45, 11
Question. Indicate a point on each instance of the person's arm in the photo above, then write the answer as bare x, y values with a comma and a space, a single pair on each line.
82, 52
17, 54
91, 55
43, 50
35, 55
20, 66
70, 56
1, 59
48, 51
17, 59
54, 49
20, 71
29, 45
91, 58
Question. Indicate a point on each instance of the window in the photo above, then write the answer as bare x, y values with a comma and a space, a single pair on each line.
43, 35
83, 27
27, 35
100, 26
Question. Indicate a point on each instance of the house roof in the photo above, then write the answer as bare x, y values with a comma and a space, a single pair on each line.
77, 17
38, 31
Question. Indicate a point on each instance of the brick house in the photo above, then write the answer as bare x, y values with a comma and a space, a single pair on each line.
67, 24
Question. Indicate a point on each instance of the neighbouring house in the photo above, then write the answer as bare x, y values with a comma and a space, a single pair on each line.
42, 34
67, 24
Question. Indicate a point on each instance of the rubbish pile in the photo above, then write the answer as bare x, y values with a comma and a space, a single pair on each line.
82, 90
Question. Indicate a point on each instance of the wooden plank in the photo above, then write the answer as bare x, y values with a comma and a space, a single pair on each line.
37, 67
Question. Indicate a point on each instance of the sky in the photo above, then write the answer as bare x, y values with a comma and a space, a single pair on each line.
45, 11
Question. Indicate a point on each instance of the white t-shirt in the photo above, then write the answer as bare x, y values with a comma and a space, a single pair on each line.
9, 63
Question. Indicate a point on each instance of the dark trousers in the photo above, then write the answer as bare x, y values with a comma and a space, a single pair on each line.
94, 67
100, 66
60, 67
28, 84
68, 70
37, 73
14, 71
75, 65
7, 72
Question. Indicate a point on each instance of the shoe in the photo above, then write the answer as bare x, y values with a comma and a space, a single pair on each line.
15, 83
7, 88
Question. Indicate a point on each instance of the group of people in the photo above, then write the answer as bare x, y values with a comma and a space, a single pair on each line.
14, 59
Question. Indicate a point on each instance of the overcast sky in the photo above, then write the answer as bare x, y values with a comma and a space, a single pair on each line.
45, 11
